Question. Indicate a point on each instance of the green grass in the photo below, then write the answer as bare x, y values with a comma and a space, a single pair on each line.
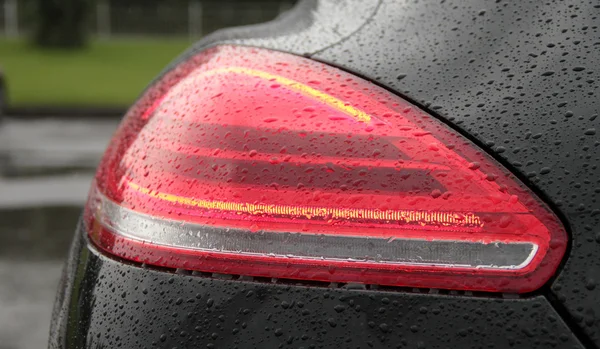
107, 73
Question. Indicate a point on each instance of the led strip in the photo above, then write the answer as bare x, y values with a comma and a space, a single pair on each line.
309, 212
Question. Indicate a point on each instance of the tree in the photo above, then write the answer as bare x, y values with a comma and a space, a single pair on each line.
62, 23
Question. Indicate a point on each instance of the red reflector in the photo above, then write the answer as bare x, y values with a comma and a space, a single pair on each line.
254, 162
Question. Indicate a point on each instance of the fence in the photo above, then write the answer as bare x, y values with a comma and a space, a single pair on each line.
117, 18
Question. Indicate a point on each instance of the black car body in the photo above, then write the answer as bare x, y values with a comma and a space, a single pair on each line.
519, 79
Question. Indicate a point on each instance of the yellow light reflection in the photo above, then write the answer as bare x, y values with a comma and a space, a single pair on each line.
296, 86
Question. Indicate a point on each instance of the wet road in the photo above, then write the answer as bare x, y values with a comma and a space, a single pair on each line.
45, 170
26, 294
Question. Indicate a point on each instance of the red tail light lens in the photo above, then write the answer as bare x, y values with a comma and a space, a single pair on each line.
254, 162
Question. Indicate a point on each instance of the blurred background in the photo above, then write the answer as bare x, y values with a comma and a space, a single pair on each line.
68, 71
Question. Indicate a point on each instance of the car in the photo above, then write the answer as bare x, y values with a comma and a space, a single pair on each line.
353, 174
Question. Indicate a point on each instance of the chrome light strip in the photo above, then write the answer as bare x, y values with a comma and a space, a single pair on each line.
398, 251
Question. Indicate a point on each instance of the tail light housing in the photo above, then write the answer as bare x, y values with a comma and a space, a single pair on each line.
254, 162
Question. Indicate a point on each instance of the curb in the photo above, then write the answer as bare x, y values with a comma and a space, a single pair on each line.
62, 112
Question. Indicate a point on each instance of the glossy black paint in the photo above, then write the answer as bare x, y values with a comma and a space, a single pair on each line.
110, 304
519, 78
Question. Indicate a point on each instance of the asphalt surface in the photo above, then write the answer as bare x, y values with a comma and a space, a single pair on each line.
46, 167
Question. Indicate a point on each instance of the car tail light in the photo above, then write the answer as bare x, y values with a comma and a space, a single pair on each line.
254, 162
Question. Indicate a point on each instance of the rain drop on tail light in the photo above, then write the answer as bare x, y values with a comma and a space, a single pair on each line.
253, 162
